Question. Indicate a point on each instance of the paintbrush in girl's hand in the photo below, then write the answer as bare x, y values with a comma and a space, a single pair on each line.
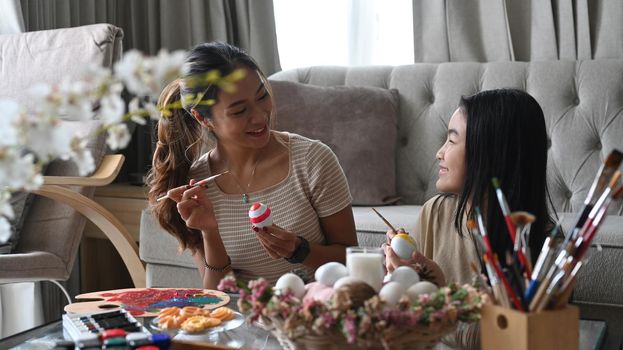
385, 221
198, 183
394, 231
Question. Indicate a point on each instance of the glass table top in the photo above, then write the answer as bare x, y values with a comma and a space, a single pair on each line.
247, 336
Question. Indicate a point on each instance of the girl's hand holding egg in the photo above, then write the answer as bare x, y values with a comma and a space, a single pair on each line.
429, 268
403, 245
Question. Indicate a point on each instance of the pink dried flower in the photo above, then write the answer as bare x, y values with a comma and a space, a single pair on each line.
228, 284
349, 327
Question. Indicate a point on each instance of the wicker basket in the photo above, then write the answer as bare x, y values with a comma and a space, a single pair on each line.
398, 340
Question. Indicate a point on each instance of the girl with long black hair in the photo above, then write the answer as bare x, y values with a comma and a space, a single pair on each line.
495, 133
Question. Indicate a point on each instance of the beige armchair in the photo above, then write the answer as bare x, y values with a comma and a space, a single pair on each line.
52, 231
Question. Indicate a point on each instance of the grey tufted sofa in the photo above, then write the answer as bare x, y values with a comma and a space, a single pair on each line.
583, 105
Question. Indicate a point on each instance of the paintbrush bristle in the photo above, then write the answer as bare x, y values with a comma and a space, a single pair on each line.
614, 159
471, 224
617, 193
612, 162
521, 218
495, 182
615, 178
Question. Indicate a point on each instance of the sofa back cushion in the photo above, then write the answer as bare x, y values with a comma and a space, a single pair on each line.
582, 102
358, 123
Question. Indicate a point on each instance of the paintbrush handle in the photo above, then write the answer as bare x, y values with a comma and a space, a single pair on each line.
198, 183
575, 229
391, 227
551, 291
506, 284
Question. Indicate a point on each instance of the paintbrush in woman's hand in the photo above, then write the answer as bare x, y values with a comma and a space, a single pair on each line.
198, 183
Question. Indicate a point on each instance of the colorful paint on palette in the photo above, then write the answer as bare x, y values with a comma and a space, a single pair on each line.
152, 300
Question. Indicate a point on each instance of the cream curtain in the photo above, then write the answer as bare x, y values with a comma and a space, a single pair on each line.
10, 17
149, 25
517, 30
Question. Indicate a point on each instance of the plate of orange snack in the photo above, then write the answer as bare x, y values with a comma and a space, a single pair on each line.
196, 320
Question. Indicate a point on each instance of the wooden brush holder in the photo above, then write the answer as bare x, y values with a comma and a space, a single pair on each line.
503, 328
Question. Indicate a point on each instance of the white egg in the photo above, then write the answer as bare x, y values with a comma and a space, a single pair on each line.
405, 275
391, 293
330, 272
292, 282
346, 280
423, 287
403, 245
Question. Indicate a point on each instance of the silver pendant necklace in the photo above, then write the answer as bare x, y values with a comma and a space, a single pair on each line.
245, 196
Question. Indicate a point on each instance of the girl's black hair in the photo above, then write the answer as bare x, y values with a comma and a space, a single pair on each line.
506, 138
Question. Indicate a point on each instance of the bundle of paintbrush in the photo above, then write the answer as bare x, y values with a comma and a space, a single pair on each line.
554, 274
549, 283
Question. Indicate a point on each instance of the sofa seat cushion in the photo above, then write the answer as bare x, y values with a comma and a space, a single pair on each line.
167, 276
358, 123
600, 280
157, 246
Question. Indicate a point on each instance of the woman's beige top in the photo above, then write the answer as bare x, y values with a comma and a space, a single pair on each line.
315, 187
439, 240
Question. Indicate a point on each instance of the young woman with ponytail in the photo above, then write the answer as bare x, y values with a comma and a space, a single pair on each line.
299, 179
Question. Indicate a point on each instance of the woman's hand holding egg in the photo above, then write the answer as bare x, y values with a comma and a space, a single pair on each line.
277, 242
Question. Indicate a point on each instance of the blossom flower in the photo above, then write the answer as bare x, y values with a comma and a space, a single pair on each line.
81, 156
148, 76
5, 230
112, 109
118, 136
18, 172
10, 115
130, 69
5, 208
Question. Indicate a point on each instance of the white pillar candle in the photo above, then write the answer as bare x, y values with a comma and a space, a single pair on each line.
366, 264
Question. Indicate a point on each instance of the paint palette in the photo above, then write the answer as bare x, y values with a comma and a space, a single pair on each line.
146, 302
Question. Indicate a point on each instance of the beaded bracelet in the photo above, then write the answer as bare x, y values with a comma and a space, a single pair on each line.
218, 269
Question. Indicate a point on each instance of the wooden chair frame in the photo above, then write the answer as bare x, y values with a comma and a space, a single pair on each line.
54, 188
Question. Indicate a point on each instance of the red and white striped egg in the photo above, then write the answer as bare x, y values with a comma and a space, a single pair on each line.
260, 215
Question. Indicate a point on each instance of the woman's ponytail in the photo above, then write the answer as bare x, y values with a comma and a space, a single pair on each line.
179, 144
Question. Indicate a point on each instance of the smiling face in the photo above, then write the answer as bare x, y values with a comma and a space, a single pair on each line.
451, 155
242, 118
